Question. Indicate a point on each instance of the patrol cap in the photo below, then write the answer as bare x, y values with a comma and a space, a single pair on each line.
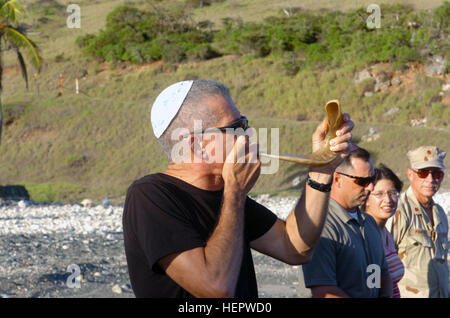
426, 157
167, 105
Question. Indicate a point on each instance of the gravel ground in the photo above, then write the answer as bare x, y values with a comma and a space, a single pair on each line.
39, 243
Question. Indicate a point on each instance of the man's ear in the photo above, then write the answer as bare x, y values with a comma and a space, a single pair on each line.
336, 179
409, 174
196, 147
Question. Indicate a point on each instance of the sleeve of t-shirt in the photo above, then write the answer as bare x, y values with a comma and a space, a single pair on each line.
258, 219
321, 270
159, 225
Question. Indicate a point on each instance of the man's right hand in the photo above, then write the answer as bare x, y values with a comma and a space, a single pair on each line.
237, 176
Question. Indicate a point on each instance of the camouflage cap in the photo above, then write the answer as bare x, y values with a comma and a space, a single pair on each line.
426, 157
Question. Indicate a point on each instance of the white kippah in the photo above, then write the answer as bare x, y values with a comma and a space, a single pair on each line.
167, 105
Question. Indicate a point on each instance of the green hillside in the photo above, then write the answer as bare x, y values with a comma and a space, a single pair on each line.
94, 144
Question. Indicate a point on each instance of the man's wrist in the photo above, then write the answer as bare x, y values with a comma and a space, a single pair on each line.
230, 193
320, 186
320, 177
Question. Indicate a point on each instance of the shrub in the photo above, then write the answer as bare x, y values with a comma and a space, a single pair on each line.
292, 64
253, 40
333, 38
201, 3
202, 52
441, 16
75, 159
137, 36
48, 7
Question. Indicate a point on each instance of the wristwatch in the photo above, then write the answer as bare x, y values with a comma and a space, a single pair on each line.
319, 186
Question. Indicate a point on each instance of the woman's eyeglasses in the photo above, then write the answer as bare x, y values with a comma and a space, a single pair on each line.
392, 194
240, 123
361, 181
423, 173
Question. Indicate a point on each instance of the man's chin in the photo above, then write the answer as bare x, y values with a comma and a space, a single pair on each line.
363, 199
359, 202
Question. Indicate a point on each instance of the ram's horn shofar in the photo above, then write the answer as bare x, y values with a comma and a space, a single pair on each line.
324, 155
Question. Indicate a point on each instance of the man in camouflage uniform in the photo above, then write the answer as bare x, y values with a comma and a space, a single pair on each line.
420, 227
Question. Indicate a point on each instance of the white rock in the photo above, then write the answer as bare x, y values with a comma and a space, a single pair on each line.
396, 81
418, 122
391, 111
116, 289
110, 237
381, 86
86, 203
296, 181
23, 204
435, 65
264, 197
372, 135
361, 76
106, 202
446, 87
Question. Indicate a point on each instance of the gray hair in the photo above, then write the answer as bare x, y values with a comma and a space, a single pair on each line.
193, 109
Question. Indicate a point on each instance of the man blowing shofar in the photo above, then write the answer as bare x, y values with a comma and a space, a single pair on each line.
188, 231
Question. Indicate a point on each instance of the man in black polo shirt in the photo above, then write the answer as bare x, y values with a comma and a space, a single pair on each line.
349, 259
188, 231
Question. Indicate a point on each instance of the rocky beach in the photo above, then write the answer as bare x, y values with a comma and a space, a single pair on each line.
76, 250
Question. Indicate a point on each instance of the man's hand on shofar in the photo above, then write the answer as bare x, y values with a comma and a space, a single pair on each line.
341, 144
241, 176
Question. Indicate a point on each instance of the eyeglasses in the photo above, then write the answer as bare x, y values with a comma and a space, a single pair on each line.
361, 181
423, 173
242, 122
392, 194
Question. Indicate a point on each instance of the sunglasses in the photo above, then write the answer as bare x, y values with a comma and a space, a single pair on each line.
423, 173
361, 181
240, 123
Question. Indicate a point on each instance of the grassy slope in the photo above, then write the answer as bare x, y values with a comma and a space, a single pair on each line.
96, 143
254, 10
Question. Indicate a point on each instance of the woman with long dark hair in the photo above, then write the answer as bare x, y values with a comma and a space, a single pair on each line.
381, 204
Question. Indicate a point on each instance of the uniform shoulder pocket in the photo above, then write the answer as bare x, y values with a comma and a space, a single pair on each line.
419, 237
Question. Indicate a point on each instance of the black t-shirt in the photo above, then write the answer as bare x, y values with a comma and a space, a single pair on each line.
164, 215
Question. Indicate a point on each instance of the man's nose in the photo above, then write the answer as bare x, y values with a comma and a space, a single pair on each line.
430, 178
369, 187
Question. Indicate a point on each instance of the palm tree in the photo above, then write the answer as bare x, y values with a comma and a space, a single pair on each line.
12, 37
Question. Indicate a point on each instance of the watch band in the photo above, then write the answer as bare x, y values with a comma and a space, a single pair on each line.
319, 186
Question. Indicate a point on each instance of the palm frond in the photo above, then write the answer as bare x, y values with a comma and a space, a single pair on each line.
11, 10
23, 66
20, 40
